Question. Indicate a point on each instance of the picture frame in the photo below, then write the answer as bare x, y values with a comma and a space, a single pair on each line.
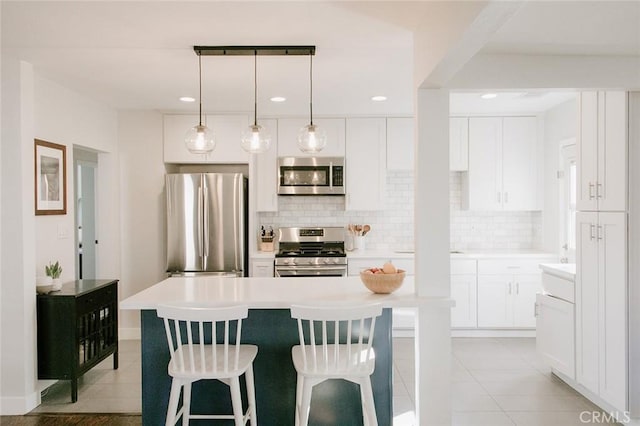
50, 178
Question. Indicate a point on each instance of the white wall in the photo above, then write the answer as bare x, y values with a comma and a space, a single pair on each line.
560, 124
35, 107
142, 208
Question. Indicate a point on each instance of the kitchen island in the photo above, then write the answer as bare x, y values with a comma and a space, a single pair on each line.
270, 327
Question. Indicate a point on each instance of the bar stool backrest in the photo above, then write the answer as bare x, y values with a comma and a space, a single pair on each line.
336, 339
192, 328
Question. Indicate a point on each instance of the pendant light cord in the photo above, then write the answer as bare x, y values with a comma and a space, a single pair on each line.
255, 88
200, 89
311, 89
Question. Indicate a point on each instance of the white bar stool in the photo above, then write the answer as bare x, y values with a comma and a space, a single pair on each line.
348, 354
194, 360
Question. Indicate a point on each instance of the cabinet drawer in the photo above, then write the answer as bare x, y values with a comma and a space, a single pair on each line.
463, 267
96, 299
558, 287
510, 266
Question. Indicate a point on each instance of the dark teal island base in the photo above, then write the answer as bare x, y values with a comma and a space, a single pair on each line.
334, 403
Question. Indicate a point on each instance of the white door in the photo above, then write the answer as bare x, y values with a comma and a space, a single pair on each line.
555, 333
485, 163
365, 163
587, 150
525, 289
587, 301
612, 156
266, 172
612, 243
495, 306
519, 163
458, 144
463, 291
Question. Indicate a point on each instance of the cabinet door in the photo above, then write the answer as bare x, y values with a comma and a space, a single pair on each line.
495, 307
485, 164
611, 188
262, 268
288, 129
555, 333
400, 143
464, 292
228, 130
587, 151
524, 291
265, 177
519, 163
612, 242
365, 164
458, 144
587, 306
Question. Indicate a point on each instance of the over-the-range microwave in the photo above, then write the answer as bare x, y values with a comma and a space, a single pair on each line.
311, 176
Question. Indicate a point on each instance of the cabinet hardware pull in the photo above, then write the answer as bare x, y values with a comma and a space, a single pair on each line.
598, 190
517, 288
506, 197
509, 288
591, 232
599, 232
591, 185
535, 309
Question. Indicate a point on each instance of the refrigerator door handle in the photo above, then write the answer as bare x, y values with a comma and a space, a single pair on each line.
200, 218
205, 222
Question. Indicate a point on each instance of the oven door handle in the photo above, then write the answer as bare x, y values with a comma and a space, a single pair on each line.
285, 271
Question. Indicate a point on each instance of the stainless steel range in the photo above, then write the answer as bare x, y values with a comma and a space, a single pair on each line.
311, 252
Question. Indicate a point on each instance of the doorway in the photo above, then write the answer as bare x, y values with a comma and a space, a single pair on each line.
85, 168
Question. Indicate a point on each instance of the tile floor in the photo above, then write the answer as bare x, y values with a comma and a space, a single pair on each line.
495, 381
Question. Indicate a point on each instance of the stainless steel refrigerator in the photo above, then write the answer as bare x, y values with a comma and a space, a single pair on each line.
207, 223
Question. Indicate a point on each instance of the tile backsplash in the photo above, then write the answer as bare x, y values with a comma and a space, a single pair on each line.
392, 228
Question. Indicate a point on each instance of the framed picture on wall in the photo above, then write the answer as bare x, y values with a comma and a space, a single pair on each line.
50, 178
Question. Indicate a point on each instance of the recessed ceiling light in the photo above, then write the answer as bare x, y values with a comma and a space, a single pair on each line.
488, 95
187, 99
378, 98
278, 99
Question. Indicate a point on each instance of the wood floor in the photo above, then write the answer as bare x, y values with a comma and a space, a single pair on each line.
72, 419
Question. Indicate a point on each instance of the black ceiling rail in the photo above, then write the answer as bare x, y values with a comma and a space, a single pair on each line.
254, 50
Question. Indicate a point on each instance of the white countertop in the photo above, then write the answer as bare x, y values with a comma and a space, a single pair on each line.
275, 293
465, 254
566, 271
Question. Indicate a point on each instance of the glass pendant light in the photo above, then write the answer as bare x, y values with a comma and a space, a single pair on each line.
200, 139
255, 138
311, 138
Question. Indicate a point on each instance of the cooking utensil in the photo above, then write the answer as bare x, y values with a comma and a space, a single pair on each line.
365, 229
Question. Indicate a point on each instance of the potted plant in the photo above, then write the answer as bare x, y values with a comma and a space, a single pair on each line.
54, 270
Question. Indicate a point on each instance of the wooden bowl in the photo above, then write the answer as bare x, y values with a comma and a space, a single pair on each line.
383, 283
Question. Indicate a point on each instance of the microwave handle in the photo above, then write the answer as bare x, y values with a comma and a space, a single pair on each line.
331, 174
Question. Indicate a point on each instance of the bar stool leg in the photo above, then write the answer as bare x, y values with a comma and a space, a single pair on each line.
174, 396
236, 401
186, 404
251, 395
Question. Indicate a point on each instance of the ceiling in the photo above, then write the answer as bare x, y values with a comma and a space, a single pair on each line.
138, 55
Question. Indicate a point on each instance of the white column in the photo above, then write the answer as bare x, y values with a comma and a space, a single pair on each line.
18, 390
433, 343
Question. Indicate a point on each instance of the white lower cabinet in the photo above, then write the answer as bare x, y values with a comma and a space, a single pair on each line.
262, 267
507, 291
464, 290
555, 333
601, 305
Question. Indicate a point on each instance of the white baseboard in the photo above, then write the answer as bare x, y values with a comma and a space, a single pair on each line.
131, 333
471, 332
19, 405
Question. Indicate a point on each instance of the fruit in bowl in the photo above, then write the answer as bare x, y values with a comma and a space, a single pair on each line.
383, 280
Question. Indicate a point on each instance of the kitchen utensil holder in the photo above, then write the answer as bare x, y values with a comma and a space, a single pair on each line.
266, 244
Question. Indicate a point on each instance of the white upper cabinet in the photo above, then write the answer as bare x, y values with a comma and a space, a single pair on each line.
365, 163
602, 151
288, 129
228, 132
266, 172
458, 144
400, 143
503, 164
